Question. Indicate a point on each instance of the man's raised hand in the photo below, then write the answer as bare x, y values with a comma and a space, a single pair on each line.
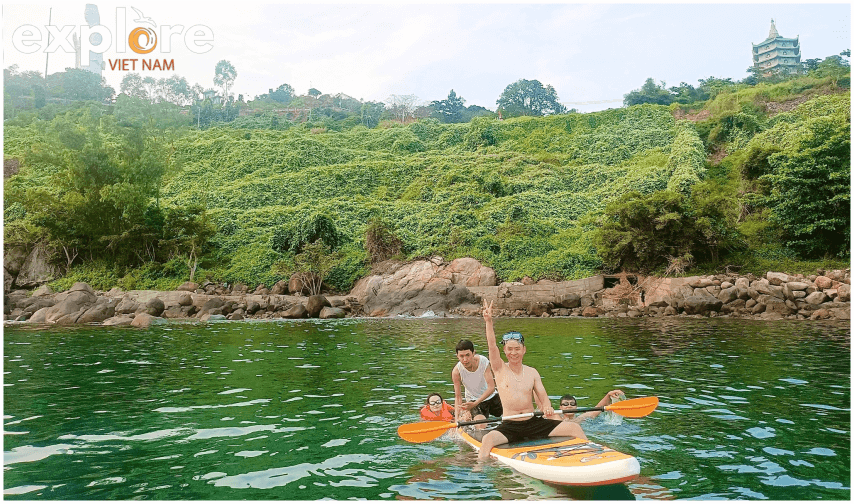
487, 311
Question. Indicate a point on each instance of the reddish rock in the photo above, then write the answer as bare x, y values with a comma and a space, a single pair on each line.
280, 288
823, 282
188, 287
844, 293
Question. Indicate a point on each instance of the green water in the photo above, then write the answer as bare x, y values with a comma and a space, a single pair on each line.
308, 410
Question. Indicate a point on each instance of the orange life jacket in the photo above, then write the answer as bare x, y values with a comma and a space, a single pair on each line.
446, 415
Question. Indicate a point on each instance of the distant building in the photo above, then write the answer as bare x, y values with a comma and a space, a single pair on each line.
210, 94
777, 54
96, 60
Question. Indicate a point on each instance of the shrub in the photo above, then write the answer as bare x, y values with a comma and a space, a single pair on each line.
640, 232
314, 263
482, 132
316, 226
687, 160
380, 242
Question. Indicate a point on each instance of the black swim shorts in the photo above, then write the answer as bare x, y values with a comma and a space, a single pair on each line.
489, 407
532, 428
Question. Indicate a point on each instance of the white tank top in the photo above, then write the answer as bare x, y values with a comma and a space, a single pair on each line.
475, 382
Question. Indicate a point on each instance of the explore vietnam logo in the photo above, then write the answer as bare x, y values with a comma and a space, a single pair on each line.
92, 40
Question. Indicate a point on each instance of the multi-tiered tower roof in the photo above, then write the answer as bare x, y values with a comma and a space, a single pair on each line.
777, 53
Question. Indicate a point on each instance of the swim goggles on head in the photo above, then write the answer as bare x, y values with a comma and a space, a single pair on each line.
512, 335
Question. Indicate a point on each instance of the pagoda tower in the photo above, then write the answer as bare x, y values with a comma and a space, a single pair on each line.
777, 54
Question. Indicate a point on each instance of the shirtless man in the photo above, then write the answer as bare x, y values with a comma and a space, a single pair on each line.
517, 383
474, 373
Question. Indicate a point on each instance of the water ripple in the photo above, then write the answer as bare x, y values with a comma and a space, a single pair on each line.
281, 476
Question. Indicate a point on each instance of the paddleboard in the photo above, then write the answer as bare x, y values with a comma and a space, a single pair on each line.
561, 460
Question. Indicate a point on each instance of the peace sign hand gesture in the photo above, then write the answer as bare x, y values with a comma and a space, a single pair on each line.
487, 311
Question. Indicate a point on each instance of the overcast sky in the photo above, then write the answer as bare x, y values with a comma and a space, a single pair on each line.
587, 52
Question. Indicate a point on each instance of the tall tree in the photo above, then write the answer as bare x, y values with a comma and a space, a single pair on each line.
449, 110
686, 93
150, 85
314, 92
176, 90
283, 94
834, 67
402, 106
371, 113
224, 76
79, 84
132, 86
529, 98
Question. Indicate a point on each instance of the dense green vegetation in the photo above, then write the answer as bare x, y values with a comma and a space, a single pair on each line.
756, 178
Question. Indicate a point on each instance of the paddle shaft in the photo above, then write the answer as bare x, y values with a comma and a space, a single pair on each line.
524, 415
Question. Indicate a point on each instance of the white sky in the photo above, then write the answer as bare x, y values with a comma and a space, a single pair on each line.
587, 52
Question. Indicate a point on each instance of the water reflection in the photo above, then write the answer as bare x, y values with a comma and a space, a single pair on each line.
308, 410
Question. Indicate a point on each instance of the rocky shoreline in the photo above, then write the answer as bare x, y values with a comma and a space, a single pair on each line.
457, 288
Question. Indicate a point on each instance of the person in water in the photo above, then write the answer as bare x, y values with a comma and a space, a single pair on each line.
473, 372
568, 402
516, 384
437, 409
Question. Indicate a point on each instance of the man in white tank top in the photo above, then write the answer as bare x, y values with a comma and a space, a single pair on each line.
473, 372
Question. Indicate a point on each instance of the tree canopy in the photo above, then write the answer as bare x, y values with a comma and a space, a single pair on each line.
283, 94
449, 110
224, 76
529, 98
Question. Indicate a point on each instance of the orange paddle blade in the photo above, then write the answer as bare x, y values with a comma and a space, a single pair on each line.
634, 408
421, 432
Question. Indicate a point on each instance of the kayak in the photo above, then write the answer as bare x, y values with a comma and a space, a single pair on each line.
561, 460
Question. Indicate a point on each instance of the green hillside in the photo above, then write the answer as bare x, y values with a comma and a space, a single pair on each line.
748, 185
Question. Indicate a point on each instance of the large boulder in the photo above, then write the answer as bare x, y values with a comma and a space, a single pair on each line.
280, 288
33, 304
777, 278
410, 288
13, 259
742, 284
701, 304
297, 311
36, 269
844, 293
823, 282
127, 305
468, 272
104, 309
44, 290
211, 304
315, 304
569, 300
188, 287
184, 299
329, 312
728, 295
700, 282
72, 305
145, 320
118, 320
775, 305
155, 307
816, 298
